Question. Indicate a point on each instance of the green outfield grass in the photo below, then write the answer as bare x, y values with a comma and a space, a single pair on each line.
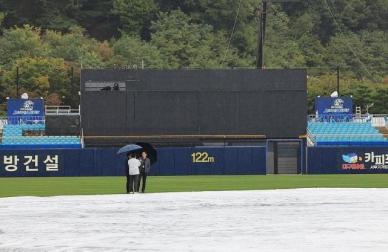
115, 185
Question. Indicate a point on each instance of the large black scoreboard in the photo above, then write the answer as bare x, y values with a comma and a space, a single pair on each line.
267, 103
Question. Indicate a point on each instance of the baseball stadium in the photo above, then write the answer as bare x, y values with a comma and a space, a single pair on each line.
229, 158
204, 130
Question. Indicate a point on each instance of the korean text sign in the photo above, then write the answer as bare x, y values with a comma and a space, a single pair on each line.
30, 164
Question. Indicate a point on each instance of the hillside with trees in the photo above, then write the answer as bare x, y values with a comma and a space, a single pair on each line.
49, 41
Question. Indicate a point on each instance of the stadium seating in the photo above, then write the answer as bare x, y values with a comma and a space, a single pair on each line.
13, 137
345, 133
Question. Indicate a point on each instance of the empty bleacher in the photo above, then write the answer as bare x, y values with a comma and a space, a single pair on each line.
345, 133
14, 137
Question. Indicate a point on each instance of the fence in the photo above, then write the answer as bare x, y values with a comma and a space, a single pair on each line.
379, 119
347, 160
188, 161
105, 162
61, 110
22, 120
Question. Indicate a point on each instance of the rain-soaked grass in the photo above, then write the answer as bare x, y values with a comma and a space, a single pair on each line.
50, 186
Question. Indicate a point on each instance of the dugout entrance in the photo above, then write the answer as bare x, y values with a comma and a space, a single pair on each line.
284, 156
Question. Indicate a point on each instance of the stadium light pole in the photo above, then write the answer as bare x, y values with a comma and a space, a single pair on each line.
338, 80
17, 82
262, 14
72, 84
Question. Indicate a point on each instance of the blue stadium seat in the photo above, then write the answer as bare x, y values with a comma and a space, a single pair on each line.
326, 133
13, 136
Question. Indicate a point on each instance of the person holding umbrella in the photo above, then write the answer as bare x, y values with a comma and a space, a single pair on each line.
133, 171
127, 172
149, 156
145, 168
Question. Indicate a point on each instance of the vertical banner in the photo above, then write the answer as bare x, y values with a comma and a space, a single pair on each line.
25, 110
334, 108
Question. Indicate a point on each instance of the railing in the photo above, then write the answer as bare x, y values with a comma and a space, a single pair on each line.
314, 139
39, 137
310, 138
82, 138
3, 121
349, 135
61, 110
354, 118
21, 120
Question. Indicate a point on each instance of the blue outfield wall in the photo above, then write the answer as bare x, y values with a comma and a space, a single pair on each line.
347, 160
105, 162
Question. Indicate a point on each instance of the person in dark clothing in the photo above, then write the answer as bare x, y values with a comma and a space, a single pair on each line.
145, 167
127, 172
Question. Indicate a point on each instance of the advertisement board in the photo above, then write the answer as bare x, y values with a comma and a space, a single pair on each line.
105, 162
25, 110
334, 108
347, 160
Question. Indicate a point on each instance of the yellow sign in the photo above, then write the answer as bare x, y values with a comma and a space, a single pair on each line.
202, 157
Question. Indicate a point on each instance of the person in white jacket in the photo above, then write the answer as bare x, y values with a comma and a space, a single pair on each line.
133, 171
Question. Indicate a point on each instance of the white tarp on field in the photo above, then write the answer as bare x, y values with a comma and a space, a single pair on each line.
300, 220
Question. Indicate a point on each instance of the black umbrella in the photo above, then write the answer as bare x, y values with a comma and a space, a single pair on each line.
151, 151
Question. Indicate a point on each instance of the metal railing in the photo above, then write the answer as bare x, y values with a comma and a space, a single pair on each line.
21, 120
61, 110
39, 137
354, 118
310, 138
351, 137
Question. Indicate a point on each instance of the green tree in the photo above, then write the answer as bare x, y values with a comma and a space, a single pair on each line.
76, 48
380, 100
132, 52
135, 15
362, 96
302, 31
183, 43
21, 42
2, 15
365, 54
222, 14
281, 49
96, 17
39, 77
42, 13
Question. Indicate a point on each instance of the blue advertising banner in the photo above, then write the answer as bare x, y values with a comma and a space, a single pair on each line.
332, 160
25, 110
210, 160
105, 162
334, 108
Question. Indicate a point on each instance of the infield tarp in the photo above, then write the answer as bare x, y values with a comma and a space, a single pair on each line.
314, 219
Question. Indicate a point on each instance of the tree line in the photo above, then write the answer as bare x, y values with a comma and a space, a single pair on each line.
50, 41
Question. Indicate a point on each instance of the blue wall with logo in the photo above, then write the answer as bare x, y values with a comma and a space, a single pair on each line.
187, 161
334, 108
105, 162
25, 110
347, 160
